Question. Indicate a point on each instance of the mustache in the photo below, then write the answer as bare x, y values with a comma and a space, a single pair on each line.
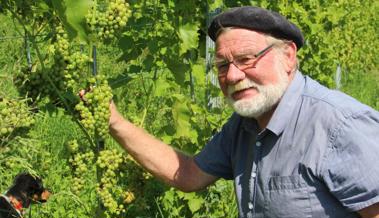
244, 84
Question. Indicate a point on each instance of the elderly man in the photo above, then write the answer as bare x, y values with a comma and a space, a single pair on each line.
293, 148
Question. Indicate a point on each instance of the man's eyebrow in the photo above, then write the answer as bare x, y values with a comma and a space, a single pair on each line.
242, 53
245, 54
248, 51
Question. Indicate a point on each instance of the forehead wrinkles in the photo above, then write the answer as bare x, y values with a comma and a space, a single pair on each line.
238, 42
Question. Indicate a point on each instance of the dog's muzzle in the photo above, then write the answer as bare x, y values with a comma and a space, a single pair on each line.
43, 197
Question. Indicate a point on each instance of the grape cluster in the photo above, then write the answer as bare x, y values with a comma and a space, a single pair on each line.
14, 114
108, 17
79, 162
34, 83
71, 64
110, 162
94, 109
61, 45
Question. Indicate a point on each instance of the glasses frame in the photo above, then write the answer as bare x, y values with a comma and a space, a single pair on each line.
252, 61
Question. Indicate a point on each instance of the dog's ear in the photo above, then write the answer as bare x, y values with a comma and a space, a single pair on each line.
36, 190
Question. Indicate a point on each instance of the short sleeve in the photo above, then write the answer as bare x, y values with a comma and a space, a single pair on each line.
215, 157
351, 169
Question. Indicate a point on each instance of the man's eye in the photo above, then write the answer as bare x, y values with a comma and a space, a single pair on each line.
222, 66
245, 60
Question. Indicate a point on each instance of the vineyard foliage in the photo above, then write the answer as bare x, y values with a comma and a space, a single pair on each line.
150, 58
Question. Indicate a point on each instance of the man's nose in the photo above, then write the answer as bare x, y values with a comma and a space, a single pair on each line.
234, 75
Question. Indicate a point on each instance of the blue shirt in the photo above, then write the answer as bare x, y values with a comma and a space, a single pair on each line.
317, 157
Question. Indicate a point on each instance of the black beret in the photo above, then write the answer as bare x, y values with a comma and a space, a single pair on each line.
258, 19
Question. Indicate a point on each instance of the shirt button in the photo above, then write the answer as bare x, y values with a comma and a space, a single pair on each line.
253, 174
251, 206
258, 143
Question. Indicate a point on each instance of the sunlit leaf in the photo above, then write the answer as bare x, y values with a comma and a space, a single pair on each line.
182, 116
198, 71
72, 13
161, 87
76, 12
188, 34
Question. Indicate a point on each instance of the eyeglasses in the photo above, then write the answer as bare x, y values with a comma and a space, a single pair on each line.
242, 63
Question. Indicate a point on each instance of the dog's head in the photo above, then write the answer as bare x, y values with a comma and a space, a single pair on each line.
28, 189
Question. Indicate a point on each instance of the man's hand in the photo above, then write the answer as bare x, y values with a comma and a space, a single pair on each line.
81, 94
115, 116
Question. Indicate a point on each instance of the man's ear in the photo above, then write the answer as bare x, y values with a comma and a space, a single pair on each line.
289, 53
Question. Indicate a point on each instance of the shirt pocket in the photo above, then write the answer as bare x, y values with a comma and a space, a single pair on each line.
287, 197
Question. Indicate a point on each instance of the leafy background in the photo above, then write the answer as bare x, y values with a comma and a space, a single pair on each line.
157, 69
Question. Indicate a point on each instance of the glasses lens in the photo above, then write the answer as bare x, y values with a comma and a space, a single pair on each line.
221, 67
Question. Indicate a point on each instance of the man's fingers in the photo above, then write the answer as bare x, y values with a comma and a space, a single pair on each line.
82, 92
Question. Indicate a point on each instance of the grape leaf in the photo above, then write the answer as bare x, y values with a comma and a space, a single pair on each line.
182, 116
198, 71
72, 13
76, 12
161, 87
188, 34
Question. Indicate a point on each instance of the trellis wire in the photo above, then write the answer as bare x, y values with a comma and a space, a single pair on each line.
94, 65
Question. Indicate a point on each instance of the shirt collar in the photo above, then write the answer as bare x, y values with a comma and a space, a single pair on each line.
287, 104
250, 124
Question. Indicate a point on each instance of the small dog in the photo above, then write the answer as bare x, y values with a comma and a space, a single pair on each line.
26, 189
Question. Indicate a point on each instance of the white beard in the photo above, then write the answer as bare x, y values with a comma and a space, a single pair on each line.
267, 97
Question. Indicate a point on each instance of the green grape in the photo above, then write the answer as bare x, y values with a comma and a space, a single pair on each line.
73, 146
4, 131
